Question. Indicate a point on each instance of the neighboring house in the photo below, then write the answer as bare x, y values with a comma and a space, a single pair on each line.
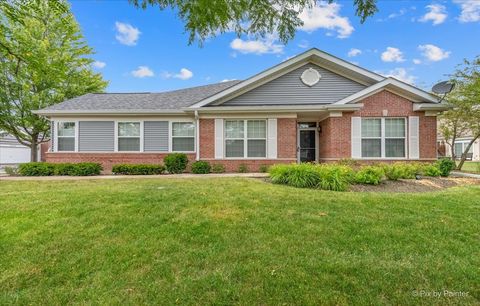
460, 145
311, 108
13, 153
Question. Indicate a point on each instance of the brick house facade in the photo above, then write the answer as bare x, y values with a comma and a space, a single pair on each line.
302, 110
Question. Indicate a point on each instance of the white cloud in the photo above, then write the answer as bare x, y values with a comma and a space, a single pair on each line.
184, 74
470, 10
354, 52
395, 15
401, 74
259, 46
142, 72
436, 13
303, 44
433, 53
99, 64
326, 16
127, 34
392, 55
416, 61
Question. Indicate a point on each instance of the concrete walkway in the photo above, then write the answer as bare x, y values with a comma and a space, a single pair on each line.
465, 174
108, 177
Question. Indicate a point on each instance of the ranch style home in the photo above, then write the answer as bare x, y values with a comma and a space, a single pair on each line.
314, 107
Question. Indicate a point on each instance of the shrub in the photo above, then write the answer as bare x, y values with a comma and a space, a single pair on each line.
36, 169
11, 170
296, 175
335, 177
431, 170
176, 162
46, 169
242, 168
348, 162
401, 170
138, 169
201, 167
263, 168
445, 165
369, 175
218, 168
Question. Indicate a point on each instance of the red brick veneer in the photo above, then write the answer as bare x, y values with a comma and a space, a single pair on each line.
335, 138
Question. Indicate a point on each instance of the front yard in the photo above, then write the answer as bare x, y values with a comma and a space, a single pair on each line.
473, 167
234, 240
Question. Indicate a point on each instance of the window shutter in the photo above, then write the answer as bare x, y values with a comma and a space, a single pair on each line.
413, 138
356, 137
218, 138
272, 138
53, 143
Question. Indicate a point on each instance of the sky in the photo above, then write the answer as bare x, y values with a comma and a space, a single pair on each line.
419, 42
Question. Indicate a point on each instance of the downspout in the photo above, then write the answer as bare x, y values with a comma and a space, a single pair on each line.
197, 135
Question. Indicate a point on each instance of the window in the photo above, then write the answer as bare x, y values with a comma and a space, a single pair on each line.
245, 138
183, 137
460, 147
66, 136
383, 137
129, 136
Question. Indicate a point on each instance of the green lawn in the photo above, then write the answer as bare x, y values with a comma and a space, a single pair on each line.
240, 241
471, 167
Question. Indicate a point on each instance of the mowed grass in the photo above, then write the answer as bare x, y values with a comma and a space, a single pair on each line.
233, 241
471, 167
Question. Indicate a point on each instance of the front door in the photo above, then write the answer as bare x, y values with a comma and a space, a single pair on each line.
307, 145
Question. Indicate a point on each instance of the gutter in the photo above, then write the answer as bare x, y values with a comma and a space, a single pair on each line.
278, 109
431, 106
109, 112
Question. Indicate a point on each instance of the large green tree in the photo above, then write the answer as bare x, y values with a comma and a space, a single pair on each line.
44, 60
207, 18
464, 117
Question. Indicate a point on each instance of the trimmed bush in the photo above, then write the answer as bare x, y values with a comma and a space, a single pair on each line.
36, 169
263, 168
371, 175
138, 169
445, 165
402, 170
242, 168
201, 167
47, 169
176, 162
431, 170
218, 168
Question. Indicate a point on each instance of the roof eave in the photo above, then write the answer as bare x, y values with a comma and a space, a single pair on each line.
136, 112
431, 107
277, 108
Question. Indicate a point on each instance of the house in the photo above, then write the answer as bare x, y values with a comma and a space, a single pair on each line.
314, 107
460, 146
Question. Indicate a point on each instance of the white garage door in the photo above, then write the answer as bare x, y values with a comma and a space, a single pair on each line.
14, 154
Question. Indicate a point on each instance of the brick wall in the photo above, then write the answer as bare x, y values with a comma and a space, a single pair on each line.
335, 139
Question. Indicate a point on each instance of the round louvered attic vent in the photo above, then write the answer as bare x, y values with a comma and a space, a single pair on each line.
310, 77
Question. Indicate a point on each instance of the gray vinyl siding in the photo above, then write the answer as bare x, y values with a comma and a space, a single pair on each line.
96, 136
155, 136
289, 89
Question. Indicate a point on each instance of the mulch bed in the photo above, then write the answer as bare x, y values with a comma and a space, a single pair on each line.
423, 185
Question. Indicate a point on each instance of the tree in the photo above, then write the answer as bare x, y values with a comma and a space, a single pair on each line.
43, 60
207, 18
464, 118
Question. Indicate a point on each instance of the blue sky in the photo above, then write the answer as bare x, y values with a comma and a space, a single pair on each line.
147, 50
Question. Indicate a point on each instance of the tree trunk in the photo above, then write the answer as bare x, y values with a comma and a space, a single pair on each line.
464, 154
34, 151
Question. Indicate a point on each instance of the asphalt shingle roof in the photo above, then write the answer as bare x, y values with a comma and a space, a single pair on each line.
168, 100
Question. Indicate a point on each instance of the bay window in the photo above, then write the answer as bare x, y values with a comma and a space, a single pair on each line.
245, 138
129, 136
66, 136
183, 137
383, 137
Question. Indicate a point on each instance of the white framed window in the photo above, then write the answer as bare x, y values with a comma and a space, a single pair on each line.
460, 147
66, 132
384, 138
245, 138
128, 136
183, 137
